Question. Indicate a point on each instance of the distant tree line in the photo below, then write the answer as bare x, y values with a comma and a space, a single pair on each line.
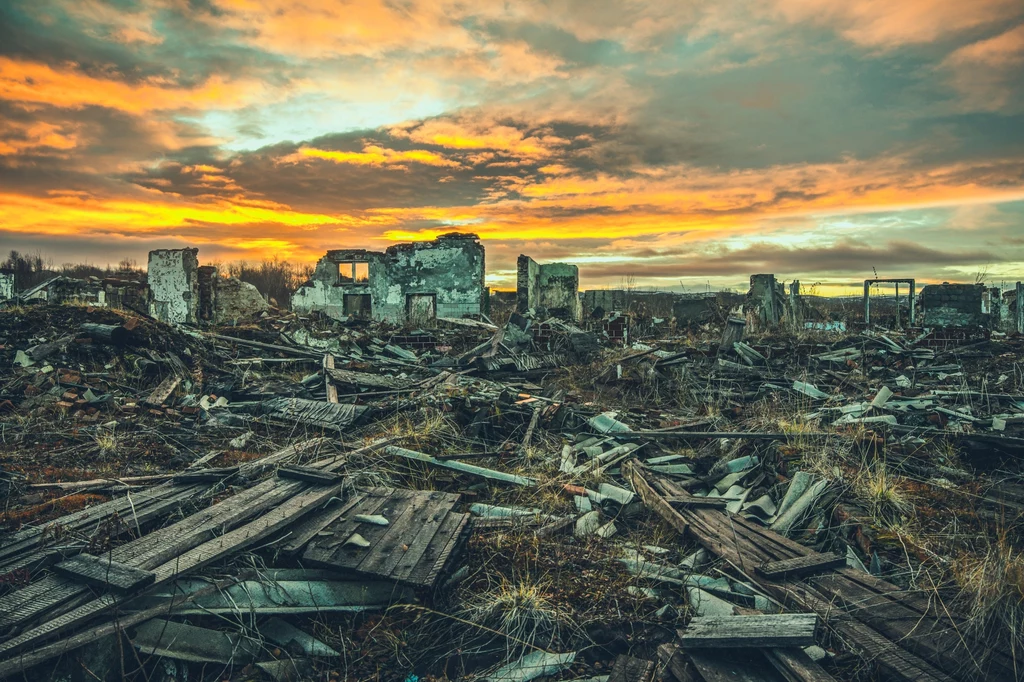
274, 278
31, 269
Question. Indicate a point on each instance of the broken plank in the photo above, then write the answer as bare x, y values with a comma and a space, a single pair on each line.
796, 666
163, 391
308, 474
694, 501
332, 390
243, 537
800, 566
631, 471
104, 572
460, 467
629, 669
769, 630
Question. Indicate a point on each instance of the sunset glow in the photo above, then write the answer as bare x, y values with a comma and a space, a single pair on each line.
683, 145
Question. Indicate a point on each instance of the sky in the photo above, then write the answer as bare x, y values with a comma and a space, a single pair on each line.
674, 144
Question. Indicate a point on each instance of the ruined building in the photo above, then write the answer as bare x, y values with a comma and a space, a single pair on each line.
7, 289
413, 282
182, 292
549, 289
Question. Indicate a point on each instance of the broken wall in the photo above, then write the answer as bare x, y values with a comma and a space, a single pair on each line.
446, 274
174, 285
7, 290
419, 280
551, 289
235, 301
955, 305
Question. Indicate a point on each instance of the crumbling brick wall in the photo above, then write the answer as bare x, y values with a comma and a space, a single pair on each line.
954, 305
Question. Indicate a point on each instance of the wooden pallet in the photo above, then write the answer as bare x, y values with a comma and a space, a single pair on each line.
412, 549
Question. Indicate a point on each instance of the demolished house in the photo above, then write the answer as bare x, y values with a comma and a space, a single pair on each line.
283, 497
547, 289
415, 282
182, 292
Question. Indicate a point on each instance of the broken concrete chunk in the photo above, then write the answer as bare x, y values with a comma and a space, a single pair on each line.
532, 666
882, 397
583, 504
286, 635
612, 492
375, 519
493, 511
607, 530
809, 390
588, 524
190, 643
356, 540
607, 423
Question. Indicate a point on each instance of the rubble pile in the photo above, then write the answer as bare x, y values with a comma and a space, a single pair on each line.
315, 495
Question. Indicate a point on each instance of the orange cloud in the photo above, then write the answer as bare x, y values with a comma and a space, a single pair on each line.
692, 201
67, 87
372, 155
479, 134
988, 72
38, 136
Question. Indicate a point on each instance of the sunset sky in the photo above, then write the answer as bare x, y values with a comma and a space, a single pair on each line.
681, 143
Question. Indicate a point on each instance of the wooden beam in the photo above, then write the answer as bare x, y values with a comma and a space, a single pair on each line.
632, 471
104, 572
629, 669
801, 565
770, 630
308, 474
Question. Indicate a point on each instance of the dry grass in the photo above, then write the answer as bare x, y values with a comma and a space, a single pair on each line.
991, 586
885, 495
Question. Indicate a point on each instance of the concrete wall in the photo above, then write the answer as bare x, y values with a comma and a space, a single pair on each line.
451, 268
527, 289
6, 285
955, 305
551, 289
174, 285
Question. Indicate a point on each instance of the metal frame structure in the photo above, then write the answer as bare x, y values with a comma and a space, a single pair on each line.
897, 282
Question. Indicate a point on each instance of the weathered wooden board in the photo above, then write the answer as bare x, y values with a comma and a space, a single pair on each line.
163, 391
768, 630
916, 640
102, 572
308, 474
299, 502
421, 533
800, 566
629, 669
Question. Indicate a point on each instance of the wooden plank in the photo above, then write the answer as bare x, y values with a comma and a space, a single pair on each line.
632, 472
769, 630
796, 666
205, 475
54, 595
732, 666
304, 531
430, 522
163, 391
672, 661
694, 501
460, 467
629, 669
330, 551
103, 572
308, 474
801, 566
332, 390
434, 560
194, 559
398, 533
